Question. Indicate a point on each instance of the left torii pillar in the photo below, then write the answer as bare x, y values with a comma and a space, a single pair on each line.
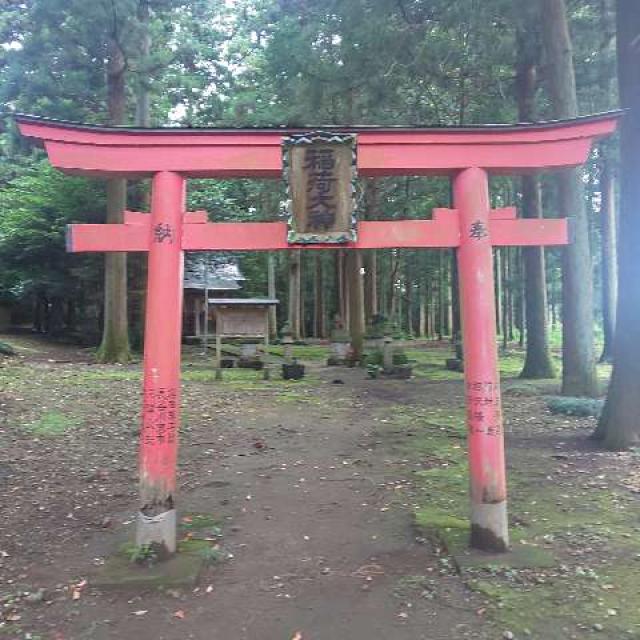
161, 383
161, 234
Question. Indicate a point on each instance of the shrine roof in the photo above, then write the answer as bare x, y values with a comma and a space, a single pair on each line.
243, 301
221, 271
290, 129
214, 152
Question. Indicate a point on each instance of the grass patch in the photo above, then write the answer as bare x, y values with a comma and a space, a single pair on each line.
52, 424
312, 352
101, 375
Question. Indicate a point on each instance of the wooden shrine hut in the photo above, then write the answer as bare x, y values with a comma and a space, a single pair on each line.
206, 274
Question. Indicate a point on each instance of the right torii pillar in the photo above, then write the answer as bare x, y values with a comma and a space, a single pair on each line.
489, 529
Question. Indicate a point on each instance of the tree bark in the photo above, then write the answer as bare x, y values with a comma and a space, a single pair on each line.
608, 258
343, 292
392, 295
303, 283
578, 373
424, 310
115, 335
497, 267
506, 286
356, 302
294, 293
441, 296
319, 324
538, 363
370, 260
455, 298
619, 426
408, 286
143, 95
271, 293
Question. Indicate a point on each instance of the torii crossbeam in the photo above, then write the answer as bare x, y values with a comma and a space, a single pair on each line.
171, 156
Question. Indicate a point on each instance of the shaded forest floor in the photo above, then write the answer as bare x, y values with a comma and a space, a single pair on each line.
327, 507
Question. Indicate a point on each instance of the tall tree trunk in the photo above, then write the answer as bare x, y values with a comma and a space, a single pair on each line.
370, 260
578, 372
498, 293
408, 286
392, 295
294, 293
143, 95
319, 328
455, 298
608, 258
521, 304
424, 310
619, 426
506, 328
302, 298
441, 296
344, 288
271, 293
537, 363
137, 262
115, 336
356, 302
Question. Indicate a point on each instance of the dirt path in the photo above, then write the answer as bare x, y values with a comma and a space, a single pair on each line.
315, 485
319, 545
312, 506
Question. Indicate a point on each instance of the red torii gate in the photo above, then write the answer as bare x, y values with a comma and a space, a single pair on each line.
170, 156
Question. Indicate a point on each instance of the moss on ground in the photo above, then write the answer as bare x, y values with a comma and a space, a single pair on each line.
52, 424
312, 353
199, 522
593, 533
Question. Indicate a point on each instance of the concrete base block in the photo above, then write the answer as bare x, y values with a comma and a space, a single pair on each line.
180, 570
160, 529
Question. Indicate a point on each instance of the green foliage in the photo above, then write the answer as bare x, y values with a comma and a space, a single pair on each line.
37, 204
580, 407
264, 63
144, 554
213, 555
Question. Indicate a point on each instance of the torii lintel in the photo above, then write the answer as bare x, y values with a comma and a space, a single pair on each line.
443, 230
256, 153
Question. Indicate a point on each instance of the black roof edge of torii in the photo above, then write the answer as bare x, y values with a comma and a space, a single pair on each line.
286, 129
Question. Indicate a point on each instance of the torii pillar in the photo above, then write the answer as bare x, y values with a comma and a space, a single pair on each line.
162, 344
489, 527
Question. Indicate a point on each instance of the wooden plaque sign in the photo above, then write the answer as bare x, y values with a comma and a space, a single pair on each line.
250, 322
320, 170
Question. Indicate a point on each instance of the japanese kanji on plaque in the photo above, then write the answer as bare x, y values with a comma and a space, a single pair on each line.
320, 169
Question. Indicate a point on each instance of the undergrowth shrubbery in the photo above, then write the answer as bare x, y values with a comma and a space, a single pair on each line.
580, 407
